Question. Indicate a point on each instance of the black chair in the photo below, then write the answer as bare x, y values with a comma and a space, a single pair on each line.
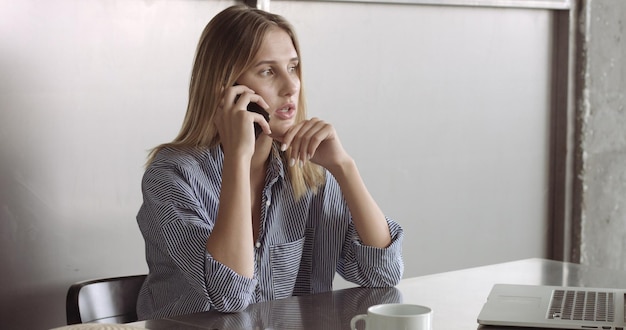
105, 300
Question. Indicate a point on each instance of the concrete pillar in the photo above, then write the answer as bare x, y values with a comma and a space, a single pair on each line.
600, 205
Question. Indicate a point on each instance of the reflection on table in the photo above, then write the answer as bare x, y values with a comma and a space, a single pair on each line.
456, 298
330, 310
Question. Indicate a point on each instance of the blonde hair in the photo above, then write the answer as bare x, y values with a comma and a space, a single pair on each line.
226, 49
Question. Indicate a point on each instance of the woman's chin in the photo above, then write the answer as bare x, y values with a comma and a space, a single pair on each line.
277, 137
278, 133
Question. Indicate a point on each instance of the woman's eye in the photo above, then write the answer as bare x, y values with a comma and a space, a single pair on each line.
266, 72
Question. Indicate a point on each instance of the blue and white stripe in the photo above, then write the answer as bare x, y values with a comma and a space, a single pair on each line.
302, 242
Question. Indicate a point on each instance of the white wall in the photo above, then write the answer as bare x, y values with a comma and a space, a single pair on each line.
445, 109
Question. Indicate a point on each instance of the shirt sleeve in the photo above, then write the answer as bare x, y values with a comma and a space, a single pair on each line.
364, 265
370, 266
181, 222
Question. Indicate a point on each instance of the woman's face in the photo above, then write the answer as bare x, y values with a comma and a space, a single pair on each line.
274, 76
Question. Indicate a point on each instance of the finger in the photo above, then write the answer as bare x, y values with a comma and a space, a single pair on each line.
259, 119
311, 138
314, 137
288, 139
256, 98
244, 99
300, 142
235, 95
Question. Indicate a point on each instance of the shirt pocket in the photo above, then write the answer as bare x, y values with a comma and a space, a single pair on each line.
285, 263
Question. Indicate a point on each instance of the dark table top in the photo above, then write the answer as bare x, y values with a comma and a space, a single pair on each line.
456, 298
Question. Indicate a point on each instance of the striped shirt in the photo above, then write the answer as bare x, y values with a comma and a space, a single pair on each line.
300, 246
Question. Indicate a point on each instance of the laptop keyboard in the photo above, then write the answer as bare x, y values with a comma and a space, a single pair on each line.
582, 305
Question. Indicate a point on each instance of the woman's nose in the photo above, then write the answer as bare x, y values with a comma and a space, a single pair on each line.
291, 85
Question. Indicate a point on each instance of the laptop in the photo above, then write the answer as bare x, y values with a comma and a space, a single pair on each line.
557, 307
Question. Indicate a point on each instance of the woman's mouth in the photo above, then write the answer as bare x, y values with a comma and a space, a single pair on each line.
286, 112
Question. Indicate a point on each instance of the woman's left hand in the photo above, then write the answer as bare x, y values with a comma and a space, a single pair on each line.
317, 141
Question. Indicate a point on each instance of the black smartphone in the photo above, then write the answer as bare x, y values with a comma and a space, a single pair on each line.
253, 107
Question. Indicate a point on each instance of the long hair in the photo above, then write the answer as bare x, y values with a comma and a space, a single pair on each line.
226, 50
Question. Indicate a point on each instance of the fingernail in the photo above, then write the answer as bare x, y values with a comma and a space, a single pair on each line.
300, 163
292, 162
283, 147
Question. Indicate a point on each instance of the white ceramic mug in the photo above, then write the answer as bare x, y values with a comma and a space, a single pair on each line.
395, 316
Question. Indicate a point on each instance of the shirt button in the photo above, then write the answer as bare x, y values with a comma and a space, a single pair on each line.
267, 203
257, 244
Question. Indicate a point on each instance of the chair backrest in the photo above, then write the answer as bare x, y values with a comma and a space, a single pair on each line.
105, 300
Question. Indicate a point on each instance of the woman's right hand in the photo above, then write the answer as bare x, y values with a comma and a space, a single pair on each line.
231, 239
235, 124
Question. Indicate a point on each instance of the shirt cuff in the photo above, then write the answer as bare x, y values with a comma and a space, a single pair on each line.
228, 290
386, 262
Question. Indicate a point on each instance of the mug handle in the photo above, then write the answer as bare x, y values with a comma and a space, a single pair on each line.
356, 319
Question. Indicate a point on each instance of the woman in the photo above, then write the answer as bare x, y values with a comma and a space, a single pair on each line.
229, 219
